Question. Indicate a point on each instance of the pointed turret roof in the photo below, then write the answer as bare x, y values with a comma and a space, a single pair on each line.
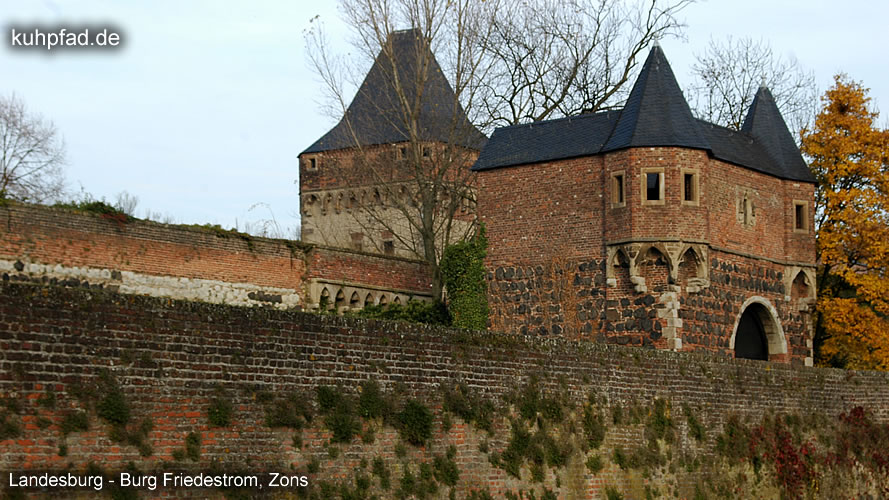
765, 124
375, 115
656, 113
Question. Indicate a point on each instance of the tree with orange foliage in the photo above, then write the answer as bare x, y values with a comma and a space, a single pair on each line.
850, 159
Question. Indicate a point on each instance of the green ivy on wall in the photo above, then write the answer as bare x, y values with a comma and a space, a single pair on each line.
463, 272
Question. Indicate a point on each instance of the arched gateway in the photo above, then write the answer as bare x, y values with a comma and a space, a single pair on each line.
758, 333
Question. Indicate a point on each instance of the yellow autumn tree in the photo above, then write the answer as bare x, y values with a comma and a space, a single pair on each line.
850, 159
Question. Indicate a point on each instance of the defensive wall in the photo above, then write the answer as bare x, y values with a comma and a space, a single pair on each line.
203, 263
100, 382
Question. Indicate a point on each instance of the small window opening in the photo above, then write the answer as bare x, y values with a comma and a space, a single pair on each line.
425, 152
617, 196
402, 153
689, 185
801, 217
652, 186
388, 247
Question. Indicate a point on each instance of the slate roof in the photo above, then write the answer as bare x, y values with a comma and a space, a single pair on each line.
765, 124
656, 114
373, 115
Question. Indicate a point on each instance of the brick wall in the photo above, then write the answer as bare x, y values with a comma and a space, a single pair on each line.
41, 243
368, 269
171, 358
193, 263
565, 258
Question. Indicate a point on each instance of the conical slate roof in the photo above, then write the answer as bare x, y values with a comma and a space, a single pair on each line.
375, 115
656, 113
765, 124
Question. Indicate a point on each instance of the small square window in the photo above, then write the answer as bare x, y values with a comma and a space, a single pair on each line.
311, 164
425, 152
618, 191
652, 186
389, 247
800, 216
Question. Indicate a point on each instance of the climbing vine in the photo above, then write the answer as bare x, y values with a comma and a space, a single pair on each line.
463, 274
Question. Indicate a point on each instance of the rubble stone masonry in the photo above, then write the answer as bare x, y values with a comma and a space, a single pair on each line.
568, 257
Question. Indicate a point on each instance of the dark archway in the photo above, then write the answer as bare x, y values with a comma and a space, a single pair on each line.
750, 339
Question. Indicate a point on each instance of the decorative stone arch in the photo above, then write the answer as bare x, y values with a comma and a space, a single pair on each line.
325, 207
384, 299
340, 300
691, 268
324, 297
616, 257
352, 202
309, 205
759, 309
339, 203
368, 299
355, 301
650, 253
396, 300
799, 285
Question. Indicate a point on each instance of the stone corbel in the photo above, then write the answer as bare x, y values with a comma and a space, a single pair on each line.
673, 251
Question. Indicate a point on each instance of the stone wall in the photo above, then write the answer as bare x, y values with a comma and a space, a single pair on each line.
90, 354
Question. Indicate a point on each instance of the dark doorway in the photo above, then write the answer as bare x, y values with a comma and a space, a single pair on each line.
750, 339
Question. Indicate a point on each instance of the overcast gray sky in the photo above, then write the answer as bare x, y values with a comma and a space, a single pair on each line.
203, 111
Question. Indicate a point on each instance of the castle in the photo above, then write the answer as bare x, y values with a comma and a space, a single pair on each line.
643, 226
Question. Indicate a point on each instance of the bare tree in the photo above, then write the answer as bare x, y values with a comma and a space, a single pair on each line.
407, 131
729, 73
32, 154
553, 58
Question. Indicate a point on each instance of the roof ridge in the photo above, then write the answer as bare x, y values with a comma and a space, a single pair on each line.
584, 116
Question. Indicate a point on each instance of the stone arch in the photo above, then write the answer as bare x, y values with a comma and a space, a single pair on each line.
355, 300
353, 201
325, 207
309, 205
384, 299
340, 300
761, 334
339, 203
690, 266
801, 287
653, 265
617, 268
324, 298
396, 300
368, 300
